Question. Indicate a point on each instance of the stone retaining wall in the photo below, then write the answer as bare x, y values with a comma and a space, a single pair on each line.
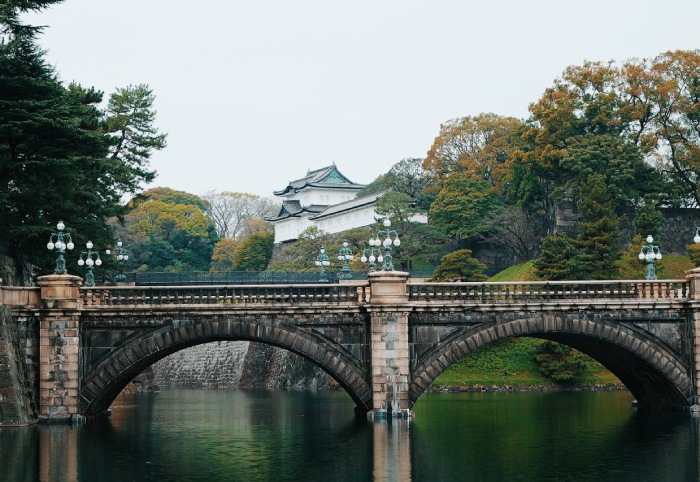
17, 393
238, 364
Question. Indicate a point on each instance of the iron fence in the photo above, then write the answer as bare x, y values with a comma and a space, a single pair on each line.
193, 278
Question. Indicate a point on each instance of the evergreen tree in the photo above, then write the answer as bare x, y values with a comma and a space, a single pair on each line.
54, 153
559, 259
598, 239
460, 266
254, 252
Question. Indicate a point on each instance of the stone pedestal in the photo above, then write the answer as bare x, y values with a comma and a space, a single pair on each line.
389, 344
59, 341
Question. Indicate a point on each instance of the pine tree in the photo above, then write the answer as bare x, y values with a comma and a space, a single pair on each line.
598, 239
559, 259
54, 151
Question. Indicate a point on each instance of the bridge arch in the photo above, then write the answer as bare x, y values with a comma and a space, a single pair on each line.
649, 368
106, 379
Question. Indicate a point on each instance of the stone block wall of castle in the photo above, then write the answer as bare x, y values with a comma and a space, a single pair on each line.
676, 232
15, 270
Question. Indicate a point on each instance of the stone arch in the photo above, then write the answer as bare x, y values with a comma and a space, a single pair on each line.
650, 369
103, 382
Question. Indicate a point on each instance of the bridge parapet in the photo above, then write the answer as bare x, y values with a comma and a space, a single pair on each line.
20, 297
539, 291
345, 294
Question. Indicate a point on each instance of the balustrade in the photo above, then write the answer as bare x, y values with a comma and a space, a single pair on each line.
222, 295
542, 291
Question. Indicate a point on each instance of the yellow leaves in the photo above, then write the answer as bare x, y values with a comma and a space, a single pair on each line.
160, 218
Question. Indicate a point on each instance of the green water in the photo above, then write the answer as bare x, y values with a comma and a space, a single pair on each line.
191, 435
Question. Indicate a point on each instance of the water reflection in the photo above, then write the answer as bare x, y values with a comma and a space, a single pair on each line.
392, 450
259, 435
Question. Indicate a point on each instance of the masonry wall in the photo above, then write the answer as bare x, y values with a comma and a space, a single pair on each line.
239, 364
15, 268
674, 235
18, 403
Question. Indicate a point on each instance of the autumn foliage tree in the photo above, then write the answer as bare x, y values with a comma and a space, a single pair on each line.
459, 266
167, 230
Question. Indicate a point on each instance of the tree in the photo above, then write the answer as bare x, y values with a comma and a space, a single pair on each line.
254, 252
54, 154
460, 266
224, 255
648, 219
559, 259
181, 233
482, 145
230, 210
598, 238
130, 119
53, 163
674, 135
301, 254
517, 230
464, 205
561, 363
421, 245
405, 177
580, 106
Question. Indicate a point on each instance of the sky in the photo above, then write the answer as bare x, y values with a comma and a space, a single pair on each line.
254, 93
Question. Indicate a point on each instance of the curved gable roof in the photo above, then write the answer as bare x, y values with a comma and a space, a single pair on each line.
326, 177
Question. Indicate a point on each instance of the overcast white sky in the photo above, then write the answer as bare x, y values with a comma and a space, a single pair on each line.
253, 93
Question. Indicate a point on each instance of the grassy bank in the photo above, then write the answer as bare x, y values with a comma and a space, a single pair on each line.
510, 364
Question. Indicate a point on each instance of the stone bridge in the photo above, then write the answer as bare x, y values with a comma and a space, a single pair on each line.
384, 340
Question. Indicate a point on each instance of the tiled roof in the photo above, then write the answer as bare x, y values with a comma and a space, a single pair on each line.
326, 177
294, 208
349, 205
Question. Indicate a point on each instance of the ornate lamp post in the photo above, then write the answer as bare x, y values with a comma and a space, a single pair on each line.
387, 264
61, 241
122, 258
89, 258
650, 253
323, 261
372, 255
345, 255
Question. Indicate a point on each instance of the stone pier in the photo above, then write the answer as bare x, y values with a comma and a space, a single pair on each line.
389, 345
59, 342
693, 277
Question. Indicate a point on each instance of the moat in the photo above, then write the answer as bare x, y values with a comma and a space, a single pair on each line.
312, 436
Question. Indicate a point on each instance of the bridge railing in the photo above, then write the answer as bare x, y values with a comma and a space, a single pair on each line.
539, 291
223, 295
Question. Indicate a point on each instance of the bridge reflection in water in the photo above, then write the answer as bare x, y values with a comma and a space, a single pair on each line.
258, 435
384, 341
